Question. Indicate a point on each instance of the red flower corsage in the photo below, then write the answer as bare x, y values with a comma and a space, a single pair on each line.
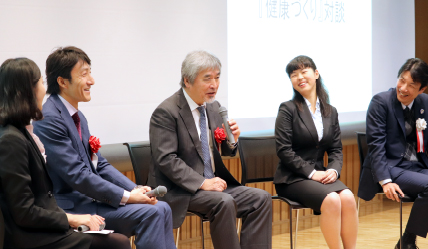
95, 144
219, 135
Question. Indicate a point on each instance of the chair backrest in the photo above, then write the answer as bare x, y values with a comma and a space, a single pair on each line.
258, 158
141, 156
362, 148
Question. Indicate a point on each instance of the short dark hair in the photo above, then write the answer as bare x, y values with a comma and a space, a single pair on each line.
418, 71
60, 63
18, 102
302, 62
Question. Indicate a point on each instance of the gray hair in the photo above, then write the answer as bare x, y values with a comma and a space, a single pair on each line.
195, 62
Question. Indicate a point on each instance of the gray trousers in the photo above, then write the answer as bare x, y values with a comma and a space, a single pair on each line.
253, 205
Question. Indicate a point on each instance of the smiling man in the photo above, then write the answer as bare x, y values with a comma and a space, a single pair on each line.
397, 141
187, 160
84, 182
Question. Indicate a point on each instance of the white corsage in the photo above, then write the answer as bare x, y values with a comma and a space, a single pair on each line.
421, 125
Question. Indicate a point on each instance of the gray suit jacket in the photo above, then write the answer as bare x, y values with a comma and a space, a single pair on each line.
177, 152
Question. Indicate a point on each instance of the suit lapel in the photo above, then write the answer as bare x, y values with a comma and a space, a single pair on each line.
188, 120
85, 139
398, 110
212, 126
326, 123
68, 120
81, 148
33, 143
306, 117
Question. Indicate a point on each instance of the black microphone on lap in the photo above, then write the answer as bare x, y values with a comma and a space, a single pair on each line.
84, 228
159, 191
223, 113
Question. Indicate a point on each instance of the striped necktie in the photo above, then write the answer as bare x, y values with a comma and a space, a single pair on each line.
208, 170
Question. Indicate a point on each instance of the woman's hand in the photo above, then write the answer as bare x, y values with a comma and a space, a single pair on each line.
92, 221
329, 177
318, 176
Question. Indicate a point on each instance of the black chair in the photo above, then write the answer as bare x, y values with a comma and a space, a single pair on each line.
1, 230
141, 156
259, 162
363, 150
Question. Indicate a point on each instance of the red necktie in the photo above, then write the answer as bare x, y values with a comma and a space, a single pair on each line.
76, 120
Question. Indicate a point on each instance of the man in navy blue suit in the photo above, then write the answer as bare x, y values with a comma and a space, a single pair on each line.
397, 141
84, 182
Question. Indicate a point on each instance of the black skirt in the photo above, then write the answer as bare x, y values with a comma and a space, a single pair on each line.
309, 192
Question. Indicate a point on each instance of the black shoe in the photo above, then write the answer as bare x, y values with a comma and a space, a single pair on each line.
409, 242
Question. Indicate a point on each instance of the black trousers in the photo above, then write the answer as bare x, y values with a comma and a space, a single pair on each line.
412, 177
91, 241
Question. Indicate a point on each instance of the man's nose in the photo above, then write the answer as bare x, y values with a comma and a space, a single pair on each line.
91, 80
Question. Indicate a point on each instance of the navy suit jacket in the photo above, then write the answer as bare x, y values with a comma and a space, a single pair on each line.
78, 186
386, 139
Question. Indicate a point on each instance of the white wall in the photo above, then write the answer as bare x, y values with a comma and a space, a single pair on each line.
137, 46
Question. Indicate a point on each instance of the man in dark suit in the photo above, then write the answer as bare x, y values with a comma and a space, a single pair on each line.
397, 141
84, 182
187, 160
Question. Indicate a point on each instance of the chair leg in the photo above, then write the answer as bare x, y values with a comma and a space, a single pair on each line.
238, 230
358, 207
202, 233
297, 226
178, 236
291, 227
132, 241
401, 224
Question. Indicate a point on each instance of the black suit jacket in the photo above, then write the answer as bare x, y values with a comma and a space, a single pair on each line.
177, 152
298, 147
386, 139
30, 211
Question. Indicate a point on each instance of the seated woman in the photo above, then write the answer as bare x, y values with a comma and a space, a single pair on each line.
306, 127
32, 217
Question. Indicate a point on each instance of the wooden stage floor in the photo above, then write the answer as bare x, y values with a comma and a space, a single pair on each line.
378, 228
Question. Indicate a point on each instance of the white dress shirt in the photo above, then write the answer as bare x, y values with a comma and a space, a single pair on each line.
196, 117
317, 118
71, 110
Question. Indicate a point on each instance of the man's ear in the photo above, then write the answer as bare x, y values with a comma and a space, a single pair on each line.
422, 89
186, 82
61, 82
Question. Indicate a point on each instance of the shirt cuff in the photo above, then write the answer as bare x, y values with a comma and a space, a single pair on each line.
232, 145
202, 184
125, 197
337, 174
383, 182
312, 174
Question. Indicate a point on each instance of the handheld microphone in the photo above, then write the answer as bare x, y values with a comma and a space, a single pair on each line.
223, 113
159, 191
84, 228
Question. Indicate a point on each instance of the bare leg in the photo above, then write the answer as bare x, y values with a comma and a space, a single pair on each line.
349, 225
330, 220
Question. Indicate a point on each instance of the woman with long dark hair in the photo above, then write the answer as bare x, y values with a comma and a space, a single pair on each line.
32, 217
306, 128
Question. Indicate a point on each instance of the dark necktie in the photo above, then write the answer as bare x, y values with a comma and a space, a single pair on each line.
410, 126
208, 170
76, 120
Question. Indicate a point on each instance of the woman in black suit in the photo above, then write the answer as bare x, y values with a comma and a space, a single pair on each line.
32, 217
306, 127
